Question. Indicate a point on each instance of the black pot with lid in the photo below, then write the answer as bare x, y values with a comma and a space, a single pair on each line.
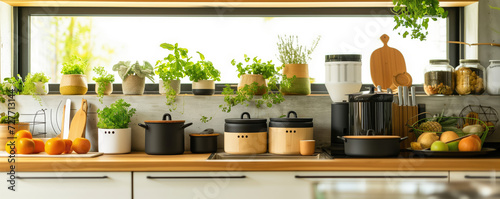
291, 121
285, 134
370, 111
247, 124
245, 135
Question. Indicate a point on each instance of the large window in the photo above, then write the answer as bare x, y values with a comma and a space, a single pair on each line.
105, 40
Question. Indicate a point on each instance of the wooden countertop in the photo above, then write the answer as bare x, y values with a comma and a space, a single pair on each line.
140, 161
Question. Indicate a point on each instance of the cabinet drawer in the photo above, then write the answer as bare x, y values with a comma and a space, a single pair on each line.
74, 185
242, 185
458, 176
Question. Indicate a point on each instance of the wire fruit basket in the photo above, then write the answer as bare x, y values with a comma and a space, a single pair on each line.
486, 114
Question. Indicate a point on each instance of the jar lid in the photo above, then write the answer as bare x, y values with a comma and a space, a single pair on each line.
469, 61
434, 61
291, 121
343, 57
243, 120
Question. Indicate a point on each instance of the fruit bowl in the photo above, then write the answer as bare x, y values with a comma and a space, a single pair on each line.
439, 125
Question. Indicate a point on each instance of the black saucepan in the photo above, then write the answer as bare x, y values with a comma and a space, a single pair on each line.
372, 145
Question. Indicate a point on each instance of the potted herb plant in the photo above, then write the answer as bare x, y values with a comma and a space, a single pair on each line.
413, 16
26, 87
295, 57
134, 76
114, 134
103, 82
39, 81
74, 81
203, 73
258, 78
171, 68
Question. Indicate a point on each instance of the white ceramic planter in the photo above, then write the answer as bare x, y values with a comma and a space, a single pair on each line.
175, 84
115, 141
204, 87
133, 85
41, 88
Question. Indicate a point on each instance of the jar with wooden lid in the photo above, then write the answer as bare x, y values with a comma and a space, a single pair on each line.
439, 78
470, 77
493, 77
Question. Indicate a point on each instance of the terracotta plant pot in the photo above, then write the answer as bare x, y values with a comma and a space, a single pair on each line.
41, 88
249, 79
174, 84
73, 85
204, 87
133, 85
5, 132
109, 88
302, 84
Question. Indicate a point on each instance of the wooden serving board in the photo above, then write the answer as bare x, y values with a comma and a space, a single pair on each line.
45, 155
385, 63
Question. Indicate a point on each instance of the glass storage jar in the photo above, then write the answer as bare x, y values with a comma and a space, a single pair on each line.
469, 76
493, 77
439, 78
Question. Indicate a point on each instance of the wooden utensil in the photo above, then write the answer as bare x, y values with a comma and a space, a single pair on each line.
79, 122
385, 63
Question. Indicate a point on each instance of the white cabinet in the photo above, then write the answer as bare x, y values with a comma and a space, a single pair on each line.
483, 176
74, 185
220, 185
374, 176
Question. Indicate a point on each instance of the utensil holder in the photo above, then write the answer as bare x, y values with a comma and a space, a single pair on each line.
403, 115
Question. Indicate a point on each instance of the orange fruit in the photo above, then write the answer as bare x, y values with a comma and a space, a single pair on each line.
476, 137
10, 145
39, 145
23, 134
81, 145
25, 146
54, 146
469, 144
67, 146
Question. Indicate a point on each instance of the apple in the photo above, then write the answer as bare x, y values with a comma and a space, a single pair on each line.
453, 146
439, 146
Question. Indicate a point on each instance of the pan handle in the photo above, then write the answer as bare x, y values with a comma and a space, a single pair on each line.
167, 115
186, 125
143, 125
403, 138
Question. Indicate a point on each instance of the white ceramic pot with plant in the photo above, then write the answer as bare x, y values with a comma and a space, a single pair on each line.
26, 87
74, 81
256, 78
39, 81
114, 133
295, 57
134, 76
203, 73
103, 82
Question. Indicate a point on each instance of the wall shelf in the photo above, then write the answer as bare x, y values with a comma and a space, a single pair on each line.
220, 3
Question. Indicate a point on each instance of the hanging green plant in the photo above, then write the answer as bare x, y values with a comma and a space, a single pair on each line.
415, 14
245, 94
26, 87
102, 80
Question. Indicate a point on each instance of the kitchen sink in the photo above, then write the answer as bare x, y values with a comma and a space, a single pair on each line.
268, 156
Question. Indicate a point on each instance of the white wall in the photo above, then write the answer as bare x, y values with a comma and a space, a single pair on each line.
5, 40
489, 31
471, 30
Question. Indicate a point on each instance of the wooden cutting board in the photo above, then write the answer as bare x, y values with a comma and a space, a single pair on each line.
79, 122
385, 63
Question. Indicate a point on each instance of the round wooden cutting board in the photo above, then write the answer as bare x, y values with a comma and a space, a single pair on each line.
385, 63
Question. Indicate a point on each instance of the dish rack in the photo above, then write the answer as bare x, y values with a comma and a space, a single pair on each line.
454, 124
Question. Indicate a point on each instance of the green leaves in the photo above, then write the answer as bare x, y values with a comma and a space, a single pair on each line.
412, 15
266, 69
76, 66
125, 69
116, 116
202, 70
290, 52
102, 79
172, 66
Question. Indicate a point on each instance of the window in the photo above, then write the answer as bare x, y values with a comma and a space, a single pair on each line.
105, 40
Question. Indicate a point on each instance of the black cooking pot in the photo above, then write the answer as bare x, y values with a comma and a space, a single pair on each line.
165, 137
203, 143
372, 146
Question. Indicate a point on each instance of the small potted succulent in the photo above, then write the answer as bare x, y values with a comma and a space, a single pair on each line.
294, 58
134, 76
171, 69
203, 73
103, 82
114, 133
74, 81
